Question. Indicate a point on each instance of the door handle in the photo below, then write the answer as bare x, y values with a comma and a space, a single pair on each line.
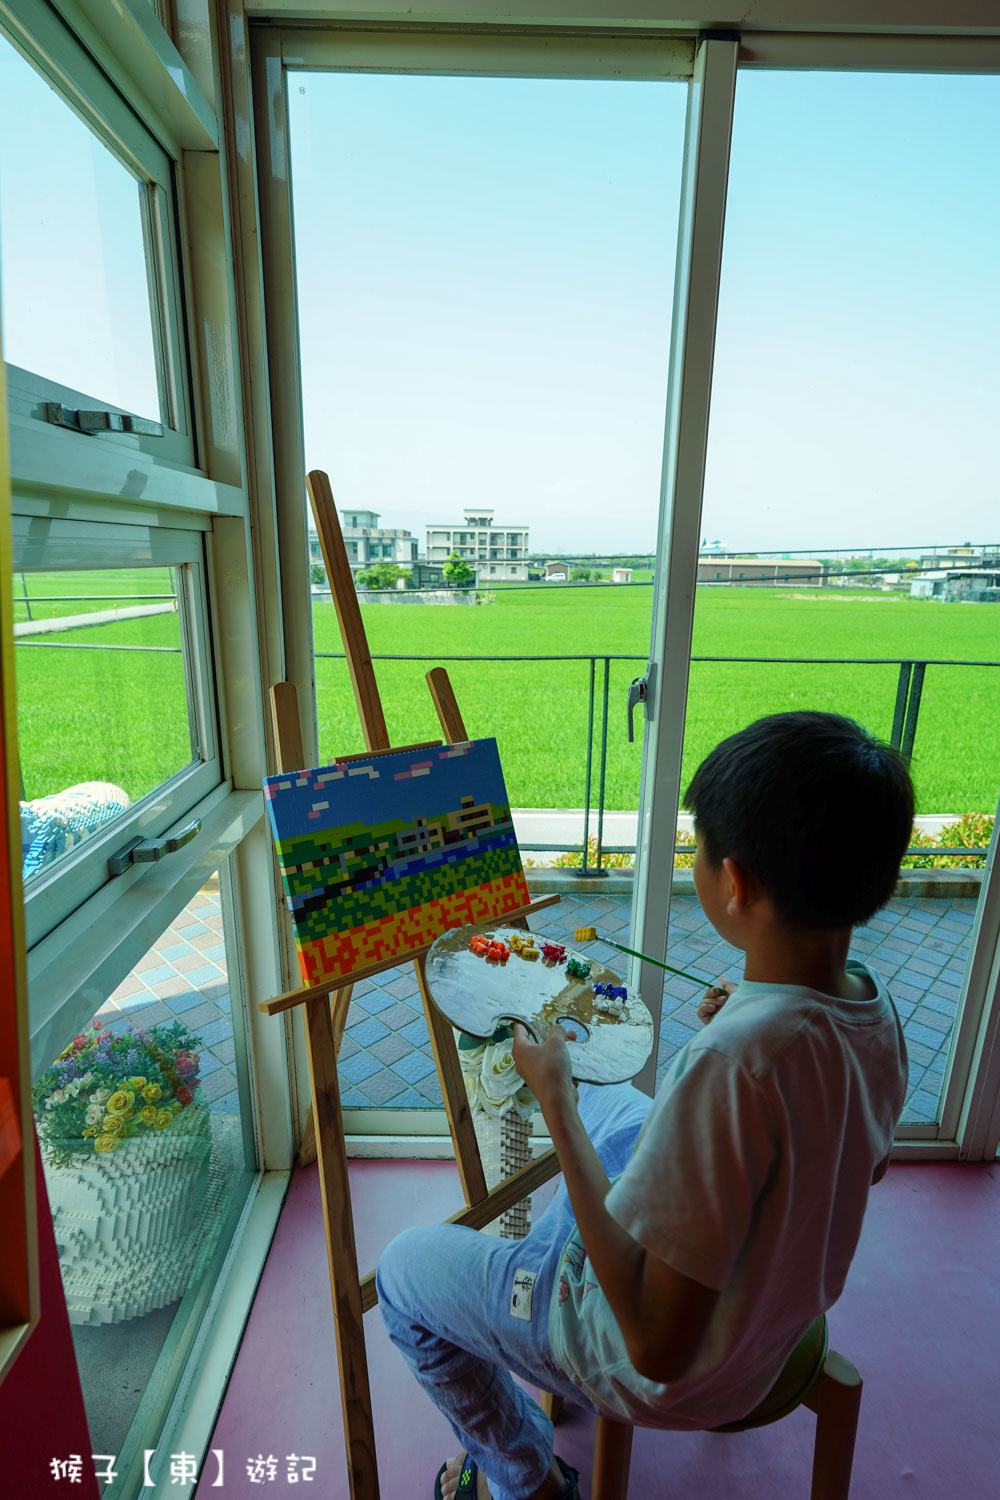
636, 695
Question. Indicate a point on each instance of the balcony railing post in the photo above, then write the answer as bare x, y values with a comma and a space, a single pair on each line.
604, 765
913, 709
590, 764
899, 712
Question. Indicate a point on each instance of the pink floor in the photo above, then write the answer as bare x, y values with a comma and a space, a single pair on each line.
920, 1317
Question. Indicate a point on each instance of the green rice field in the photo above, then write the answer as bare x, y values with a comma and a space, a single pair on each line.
121, 716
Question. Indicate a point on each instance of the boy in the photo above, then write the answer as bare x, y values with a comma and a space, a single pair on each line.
674, 1297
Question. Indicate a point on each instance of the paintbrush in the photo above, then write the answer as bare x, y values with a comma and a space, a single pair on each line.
591, 935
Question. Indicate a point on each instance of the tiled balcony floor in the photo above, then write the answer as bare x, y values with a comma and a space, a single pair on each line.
918, 946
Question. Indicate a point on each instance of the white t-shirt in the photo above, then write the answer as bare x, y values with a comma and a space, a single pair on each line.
751, 1176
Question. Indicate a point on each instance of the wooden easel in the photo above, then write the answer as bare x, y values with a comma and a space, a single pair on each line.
325, 1014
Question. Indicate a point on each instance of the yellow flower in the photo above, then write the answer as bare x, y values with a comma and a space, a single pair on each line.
106, 1143
89, 1130
129, 1114
163, 1119
138, 1083
120, 1101
148, 1113
151, 1093
113, 1125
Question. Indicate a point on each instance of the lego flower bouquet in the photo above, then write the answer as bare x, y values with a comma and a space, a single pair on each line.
127, 1152
491, 1080
105, 1090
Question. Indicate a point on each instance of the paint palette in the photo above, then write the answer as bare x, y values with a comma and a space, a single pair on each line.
478, 991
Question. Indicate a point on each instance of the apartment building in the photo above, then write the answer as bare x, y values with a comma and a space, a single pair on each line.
369, 543
496, 552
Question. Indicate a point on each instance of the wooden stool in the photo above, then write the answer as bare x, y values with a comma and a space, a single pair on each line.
814, 1376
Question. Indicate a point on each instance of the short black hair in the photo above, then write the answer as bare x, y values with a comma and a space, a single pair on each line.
818, 809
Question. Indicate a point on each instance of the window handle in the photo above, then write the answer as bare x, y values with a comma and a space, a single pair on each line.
100, 421
146, 851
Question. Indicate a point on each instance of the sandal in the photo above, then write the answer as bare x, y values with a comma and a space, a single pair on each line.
467, 1480
571, 1491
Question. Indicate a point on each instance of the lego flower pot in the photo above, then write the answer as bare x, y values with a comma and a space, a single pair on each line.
129, 1222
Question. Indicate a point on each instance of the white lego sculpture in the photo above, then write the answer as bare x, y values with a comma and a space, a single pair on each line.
505, 1147
127, 1224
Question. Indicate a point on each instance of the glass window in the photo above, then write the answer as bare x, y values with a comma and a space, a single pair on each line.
147, 1143
74, 249
522, 204
104, 708
115, 685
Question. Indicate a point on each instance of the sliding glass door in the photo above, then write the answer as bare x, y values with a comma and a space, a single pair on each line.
824, 540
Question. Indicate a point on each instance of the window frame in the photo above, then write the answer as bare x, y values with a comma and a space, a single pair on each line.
62, 62
60, 889
117, 482
274, 51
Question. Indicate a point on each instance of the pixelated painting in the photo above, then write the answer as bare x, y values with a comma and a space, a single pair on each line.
383, 854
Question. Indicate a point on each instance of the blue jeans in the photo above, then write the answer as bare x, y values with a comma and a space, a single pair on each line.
445, 1295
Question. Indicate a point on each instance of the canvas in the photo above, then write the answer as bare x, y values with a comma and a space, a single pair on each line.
380, 855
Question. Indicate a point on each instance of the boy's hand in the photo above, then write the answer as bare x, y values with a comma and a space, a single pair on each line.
714, 999
545, 1066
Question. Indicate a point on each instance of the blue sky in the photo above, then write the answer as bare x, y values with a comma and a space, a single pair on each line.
485, 273
485, 270
72, 261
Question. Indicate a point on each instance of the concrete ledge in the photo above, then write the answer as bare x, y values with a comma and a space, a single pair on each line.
913, 885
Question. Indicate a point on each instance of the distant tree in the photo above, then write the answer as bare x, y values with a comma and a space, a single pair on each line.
457, 572
579, 575
317, 573
382, 576
597, 576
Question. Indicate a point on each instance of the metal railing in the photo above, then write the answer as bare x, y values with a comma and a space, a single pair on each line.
906, 709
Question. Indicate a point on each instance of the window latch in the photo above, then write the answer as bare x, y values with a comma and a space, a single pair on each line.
146, 851
93, 422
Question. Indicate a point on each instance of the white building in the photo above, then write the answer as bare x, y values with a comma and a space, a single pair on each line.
928, 586
497, 553
367, 542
